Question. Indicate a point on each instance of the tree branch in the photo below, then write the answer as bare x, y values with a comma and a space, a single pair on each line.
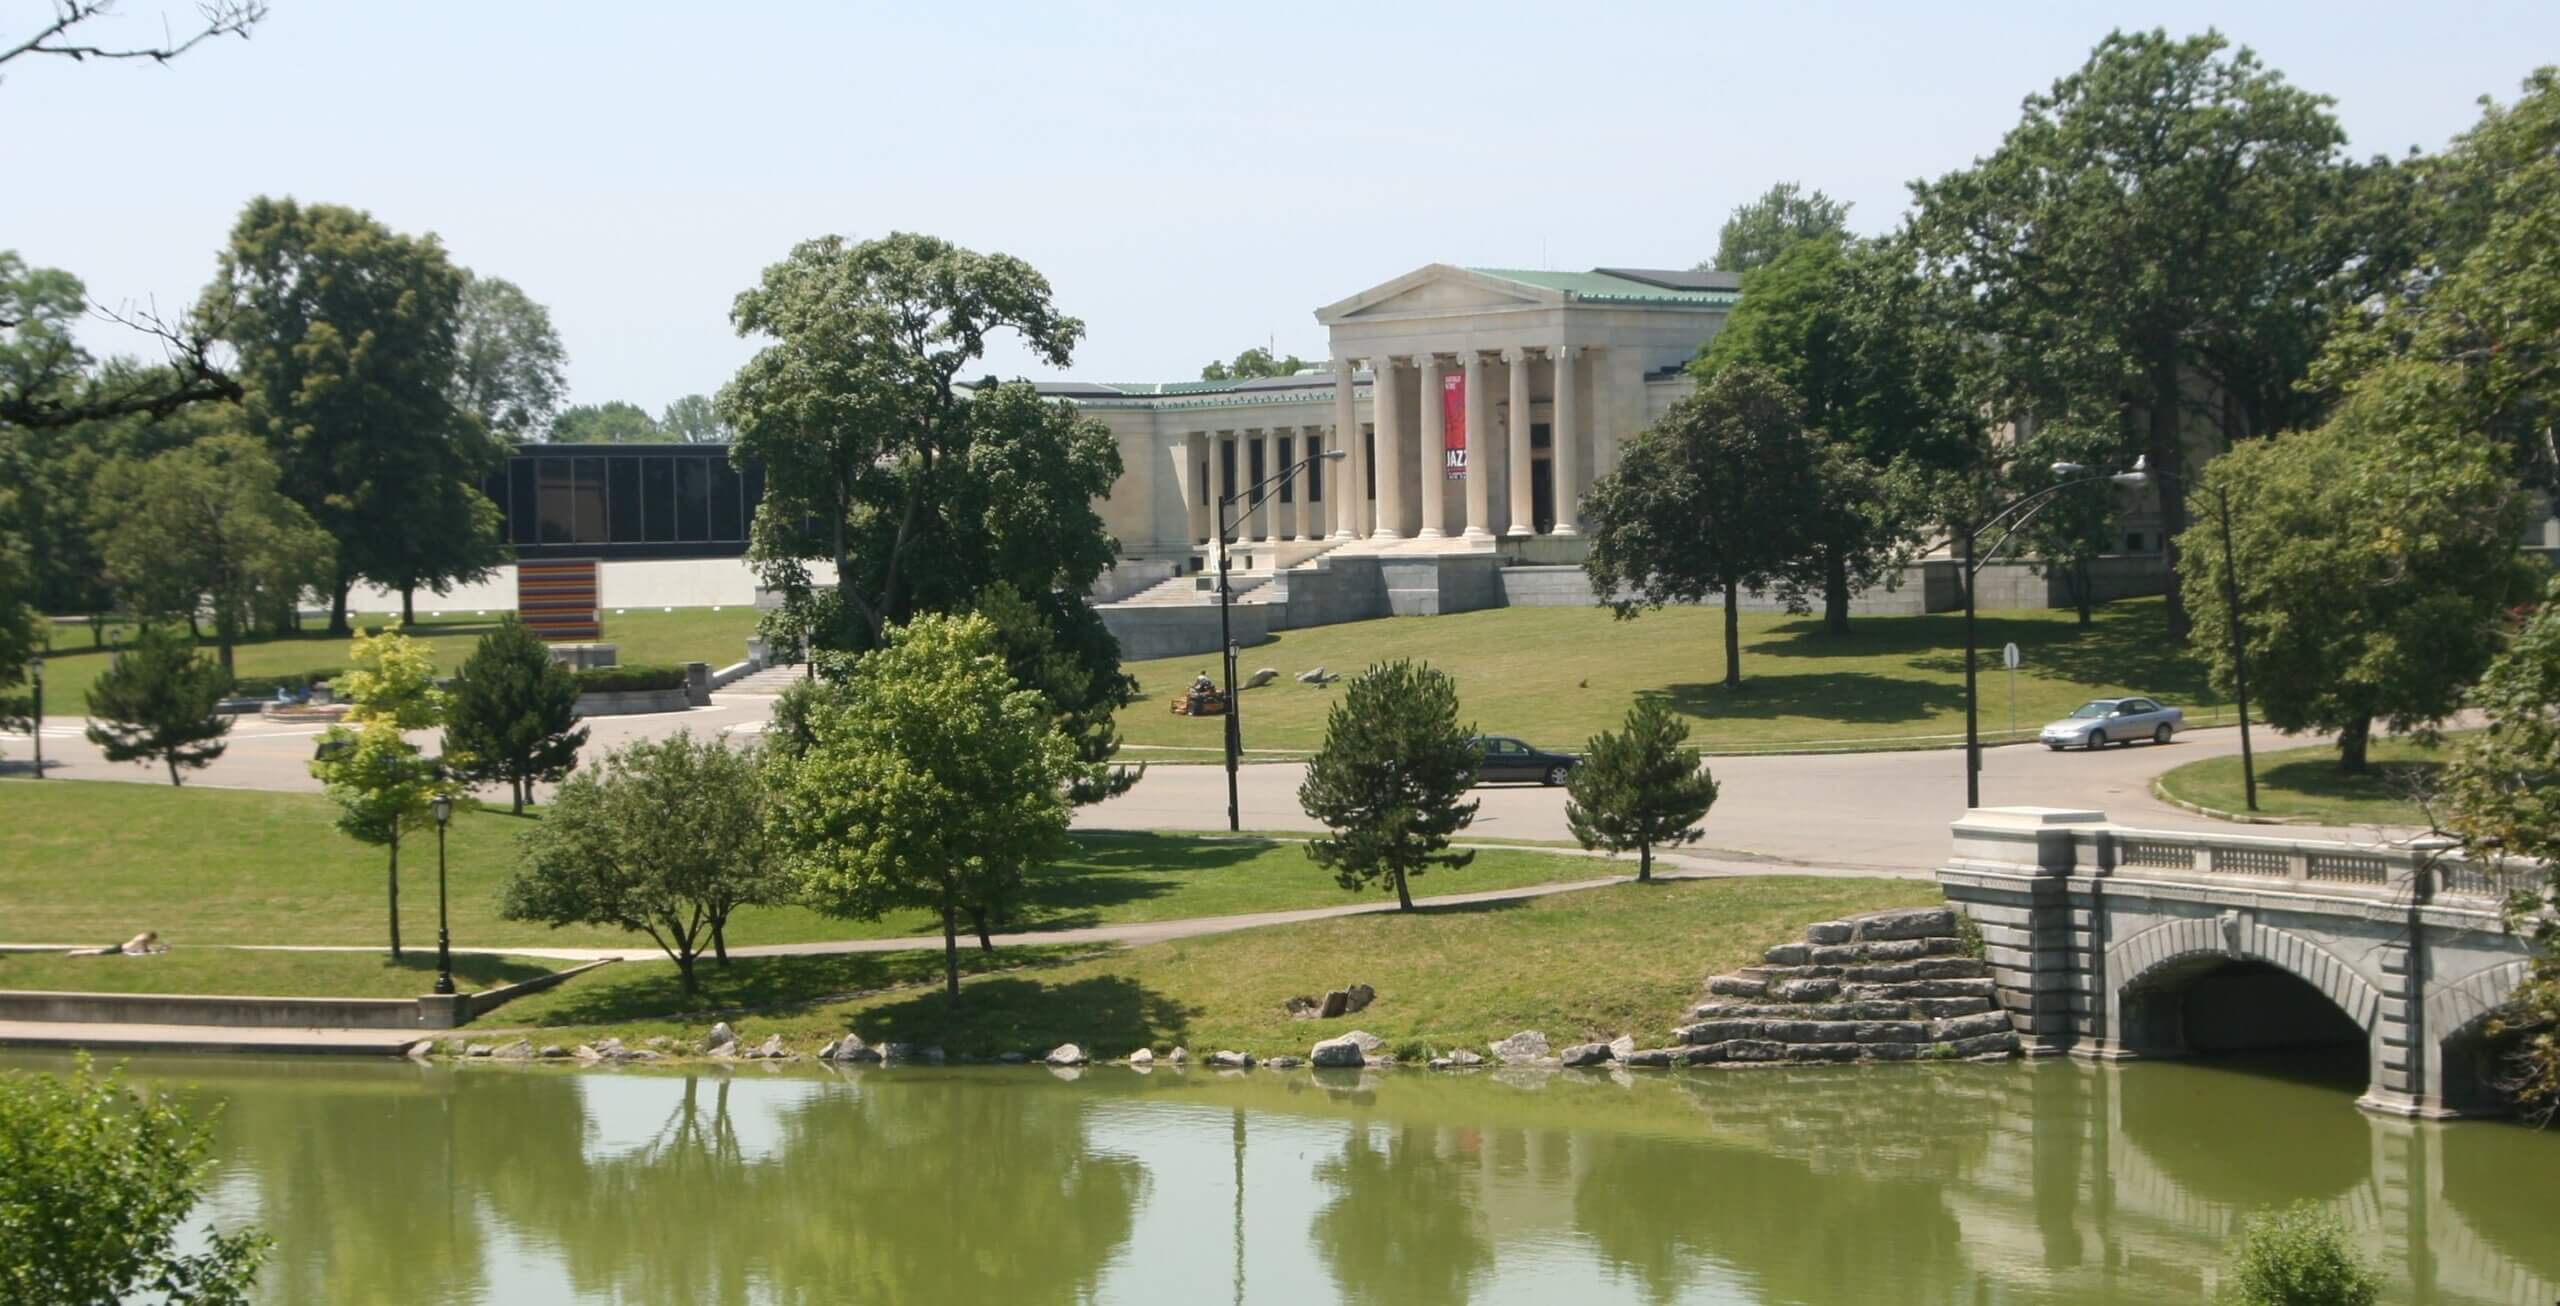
221, 18
192, 377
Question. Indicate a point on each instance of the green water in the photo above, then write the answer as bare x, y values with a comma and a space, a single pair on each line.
2050, 1182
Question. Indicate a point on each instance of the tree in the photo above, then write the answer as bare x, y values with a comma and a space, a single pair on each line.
205, 528
1392, 778
94, 1181
854, 409
156, 701
1760, 231
1639, 787
932, 780
2503, 791
346, 333
2375, 556
1852, 330
381, 785
508, 359
2299, 1256
61, 39
1253, 363
512, 715
614, 421
691, 419
1718, 497
665, 837
2153, 222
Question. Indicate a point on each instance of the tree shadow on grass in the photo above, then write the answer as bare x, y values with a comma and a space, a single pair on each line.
1850, 697
2126, 644
774, 985
1107, 1015
1111, 870
2319, 779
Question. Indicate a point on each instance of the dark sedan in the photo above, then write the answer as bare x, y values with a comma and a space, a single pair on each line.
1509, 759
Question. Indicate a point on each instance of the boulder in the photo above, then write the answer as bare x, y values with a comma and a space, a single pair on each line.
420, 1050
892, 1053
1358, 997
659, 1041
1312, 676
771, 1049
1343, 1051
720, 1033
1829, 932
1903, 923
612, 1050
1143, 1057
1066, 1054
1231, 1060
1369, 1043
1652, 1058
1283, 1063
586, 1052
1262, 677
1463, 1059
1788, 954
478, 1050
1526, 1046
1179, 1054
1302, 1007
552, 1052
852, 1048
1585, 1054
1623, 1046
520, 1050
1335, 1003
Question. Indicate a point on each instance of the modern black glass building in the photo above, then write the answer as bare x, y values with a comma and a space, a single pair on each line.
625, 501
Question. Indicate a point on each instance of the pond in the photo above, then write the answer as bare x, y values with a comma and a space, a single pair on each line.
2054, 1181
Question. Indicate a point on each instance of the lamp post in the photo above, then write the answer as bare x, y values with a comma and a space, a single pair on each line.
2023, 508
1226, 600
2141, 475
443, 808
35, 728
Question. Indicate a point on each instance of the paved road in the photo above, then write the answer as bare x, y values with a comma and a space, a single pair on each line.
1876, 811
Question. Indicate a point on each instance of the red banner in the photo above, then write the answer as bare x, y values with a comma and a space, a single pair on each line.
1453, 417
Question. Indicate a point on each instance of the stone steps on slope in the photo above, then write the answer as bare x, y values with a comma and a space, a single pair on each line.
1870, 1009
1779, 1030
1837, 954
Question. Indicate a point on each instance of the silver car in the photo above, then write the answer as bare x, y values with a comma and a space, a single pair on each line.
2114, 721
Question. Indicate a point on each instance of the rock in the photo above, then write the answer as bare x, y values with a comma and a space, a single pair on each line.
1788, 954
552, 1052
852, 1048
1737, 986
1231, 1060
1066, 1054
520, 1050
1584, 1054
1301, 1007
1622, 1047
660, 1042
1974, 1025
1011, 1058
1262, 677
720, 1033
1526, 1046
1369, 1043
1437, 1063
1343, 1051
1283, 1063
642, 1054
1463, 1059
420, 1050
1143, 1057
478, 1050
893, 1053
1335, 1003
1901, 923
586, 1052
1359, 996
771, 1049
612, 1050
1829, 932
1805, 990
1312, 676
1179, 1054
1653, 1058
827, 1052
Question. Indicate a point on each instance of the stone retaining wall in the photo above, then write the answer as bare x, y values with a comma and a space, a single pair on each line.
427, 1011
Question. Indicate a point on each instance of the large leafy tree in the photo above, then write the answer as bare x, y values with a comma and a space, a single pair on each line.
346, 333
1856, 333
665, 837
693, 419
508, 360
1640, 787
1253, 363
95, 1180
1760, 231
2155, 221
1391, 780
156, 701
381, 784
206, 528
512, 714
1722, 495
615, 421
2365, 593
931, 780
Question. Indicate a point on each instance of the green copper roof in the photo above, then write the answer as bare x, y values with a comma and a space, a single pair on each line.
1606, 288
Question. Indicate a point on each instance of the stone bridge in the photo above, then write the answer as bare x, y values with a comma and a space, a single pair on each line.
2114, 942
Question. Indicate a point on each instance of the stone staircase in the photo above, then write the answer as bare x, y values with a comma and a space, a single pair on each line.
1886, 986
1201, 588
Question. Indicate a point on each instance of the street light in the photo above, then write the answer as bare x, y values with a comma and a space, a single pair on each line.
2073, 474
35, 728
2141, 475
443, 808
1226, 600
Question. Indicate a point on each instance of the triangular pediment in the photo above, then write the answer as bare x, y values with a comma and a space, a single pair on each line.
1436, 291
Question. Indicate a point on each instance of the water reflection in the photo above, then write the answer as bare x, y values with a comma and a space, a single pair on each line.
2055, 1182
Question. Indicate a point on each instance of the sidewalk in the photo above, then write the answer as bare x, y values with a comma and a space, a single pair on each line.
118, 1038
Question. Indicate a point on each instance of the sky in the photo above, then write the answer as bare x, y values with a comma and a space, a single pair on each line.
1192, 180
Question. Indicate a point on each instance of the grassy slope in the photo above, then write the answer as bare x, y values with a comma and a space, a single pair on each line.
1594, 963
100, 861
646, 636
267, 974
2306, 783
1554, 676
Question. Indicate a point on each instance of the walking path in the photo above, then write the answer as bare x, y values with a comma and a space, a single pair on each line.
109, 1037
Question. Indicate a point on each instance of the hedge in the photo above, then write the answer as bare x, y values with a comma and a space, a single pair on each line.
631, 679
266, 686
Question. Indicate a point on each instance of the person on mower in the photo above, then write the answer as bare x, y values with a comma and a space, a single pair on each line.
1201, 688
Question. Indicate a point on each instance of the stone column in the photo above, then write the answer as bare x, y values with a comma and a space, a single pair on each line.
1222, 484
1435, 434
1346, 436
1194, 455
1390, 452
1516, 464
1302, 482
1479, 423
1567, 468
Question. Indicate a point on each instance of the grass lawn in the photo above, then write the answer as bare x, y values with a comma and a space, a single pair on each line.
263, 974
646, 636
1555, 676
651, 990
1594, 963
2306, 783
99, 861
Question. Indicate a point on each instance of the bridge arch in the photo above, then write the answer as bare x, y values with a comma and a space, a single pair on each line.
2468, 1067
2150, 972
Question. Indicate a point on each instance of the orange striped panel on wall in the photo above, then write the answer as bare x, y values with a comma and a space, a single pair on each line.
562, 601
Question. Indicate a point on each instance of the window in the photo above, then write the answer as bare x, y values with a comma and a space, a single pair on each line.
658, 500
2133, 541
622, 502
1541, 436
693, 500
523, 503
728, 502
589, 496
559, 501
1287, 483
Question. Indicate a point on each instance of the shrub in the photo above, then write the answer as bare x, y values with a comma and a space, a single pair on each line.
2298, 1256
637, 678
266, 686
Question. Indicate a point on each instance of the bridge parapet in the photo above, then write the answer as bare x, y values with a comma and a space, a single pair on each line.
2087, 924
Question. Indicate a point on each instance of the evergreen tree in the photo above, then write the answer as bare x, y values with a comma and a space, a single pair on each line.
512, 715
155, 703
1392, 778
1639, 787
